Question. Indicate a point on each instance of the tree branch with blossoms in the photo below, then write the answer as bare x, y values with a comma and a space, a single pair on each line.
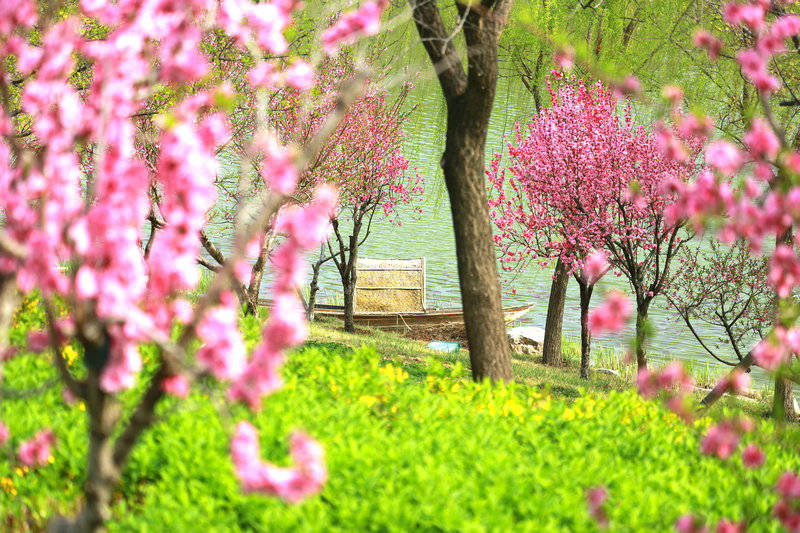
77, 191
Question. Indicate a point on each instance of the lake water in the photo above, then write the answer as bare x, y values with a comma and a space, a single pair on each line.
430, 235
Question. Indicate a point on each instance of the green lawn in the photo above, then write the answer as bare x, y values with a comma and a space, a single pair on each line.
411, 444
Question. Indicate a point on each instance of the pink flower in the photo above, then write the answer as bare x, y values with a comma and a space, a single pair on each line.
277, 168
38, 341
366, 20
291, 484
784, 270
176, 385
646, 383
86, 283
724, 156
4, 433
673, 375
595, 498
754, 67
740, 382
788, 486
729, 526
223, 353
300, 76
36, 452
769, 356
712, 45
761, 141
564, 57
785, 27
595, 266
690, 524
611, 315
182, 309
752, 456
673, 93
720, 440
751, 15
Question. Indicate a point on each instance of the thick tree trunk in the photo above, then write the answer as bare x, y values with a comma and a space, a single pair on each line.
551, 348
783, 401
586, 336
477, 268
641, 333
9, 299
469, 96
102, 473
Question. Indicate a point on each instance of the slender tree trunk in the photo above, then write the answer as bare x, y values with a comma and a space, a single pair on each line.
241, 289
349, 279
469, 96
254, 289
313, 289
641, 333
348, 289
551, 349
783, 401
586, 336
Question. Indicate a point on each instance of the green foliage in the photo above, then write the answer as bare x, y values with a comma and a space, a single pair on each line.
431, 451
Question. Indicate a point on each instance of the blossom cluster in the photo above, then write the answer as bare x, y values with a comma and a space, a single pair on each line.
76, 189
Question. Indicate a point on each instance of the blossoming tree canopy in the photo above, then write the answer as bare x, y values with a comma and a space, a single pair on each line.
583, 178
74, 191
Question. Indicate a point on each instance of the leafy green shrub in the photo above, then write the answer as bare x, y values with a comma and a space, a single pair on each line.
434, 453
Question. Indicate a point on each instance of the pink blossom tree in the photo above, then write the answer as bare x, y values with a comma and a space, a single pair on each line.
75, 190
362, 159
372, 177
727, 289
585, 178
542, 201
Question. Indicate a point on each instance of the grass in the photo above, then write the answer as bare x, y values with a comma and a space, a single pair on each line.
564, 381
411, 444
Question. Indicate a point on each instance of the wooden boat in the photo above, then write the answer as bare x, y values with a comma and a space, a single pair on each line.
413, 319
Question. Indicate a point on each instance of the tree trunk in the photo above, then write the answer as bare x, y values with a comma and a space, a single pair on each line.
254, 288
641, 334
783, 401
477, 268
348, 288
551, 348
469, 96
313, 289
586, 336
9, 299
102, 474
349, 279
722, 385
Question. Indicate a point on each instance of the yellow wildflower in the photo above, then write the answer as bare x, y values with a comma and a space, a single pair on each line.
8, 486
368, 400
70, 355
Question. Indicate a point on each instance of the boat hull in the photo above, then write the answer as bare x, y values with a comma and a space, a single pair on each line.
414, 320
